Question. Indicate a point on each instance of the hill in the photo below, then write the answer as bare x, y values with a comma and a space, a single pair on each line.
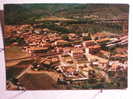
27, 13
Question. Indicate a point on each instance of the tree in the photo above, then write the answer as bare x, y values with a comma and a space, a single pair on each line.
65, 37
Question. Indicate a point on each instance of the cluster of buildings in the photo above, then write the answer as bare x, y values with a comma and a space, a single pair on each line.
74, 59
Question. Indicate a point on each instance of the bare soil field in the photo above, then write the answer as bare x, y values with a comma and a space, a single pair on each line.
39, 80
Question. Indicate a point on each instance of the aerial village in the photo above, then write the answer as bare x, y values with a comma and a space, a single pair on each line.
75, 59
46, 55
